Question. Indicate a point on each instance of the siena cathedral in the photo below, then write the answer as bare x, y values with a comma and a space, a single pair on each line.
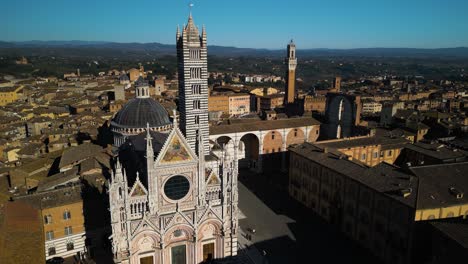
173, 199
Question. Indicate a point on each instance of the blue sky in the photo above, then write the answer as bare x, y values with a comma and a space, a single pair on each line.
244, 23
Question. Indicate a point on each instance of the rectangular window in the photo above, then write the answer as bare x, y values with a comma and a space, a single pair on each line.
49, 235
195, 73
196, 89
197, 120
381, 154
47, 219
68, 230
389, 153
178, 255
376, 155
196, 104
70, 246
66, 215
194, 54
147, 260
51, 251
208, 252
363, 157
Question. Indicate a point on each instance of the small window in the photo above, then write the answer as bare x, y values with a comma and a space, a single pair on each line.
68, 230
51, 251
272, 135
376, 155
196, 89
70, 246
49, 235
197, 120
363, 157
66, 215
295, 132
196, 104
47, 219
381, 154
389, 153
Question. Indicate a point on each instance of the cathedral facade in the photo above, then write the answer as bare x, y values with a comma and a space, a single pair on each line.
171, 199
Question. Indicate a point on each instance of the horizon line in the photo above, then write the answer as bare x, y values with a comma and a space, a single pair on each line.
227, 46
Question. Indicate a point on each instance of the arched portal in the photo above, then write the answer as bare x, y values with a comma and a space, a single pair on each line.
227, 143
295, 136
272, 157
249, 146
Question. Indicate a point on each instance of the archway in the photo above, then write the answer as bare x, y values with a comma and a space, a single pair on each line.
272, 156
249, 146
295, 136
227, 143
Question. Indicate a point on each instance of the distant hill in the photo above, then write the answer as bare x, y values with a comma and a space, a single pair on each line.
102, 48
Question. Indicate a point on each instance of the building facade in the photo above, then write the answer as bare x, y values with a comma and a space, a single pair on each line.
63, 221
239, 104
171, 200
379, 207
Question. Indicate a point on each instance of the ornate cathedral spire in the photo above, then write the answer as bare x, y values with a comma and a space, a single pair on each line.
152, 193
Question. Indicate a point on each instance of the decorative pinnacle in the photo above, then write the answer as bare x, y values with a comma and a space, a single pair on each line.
174, 116
148, 135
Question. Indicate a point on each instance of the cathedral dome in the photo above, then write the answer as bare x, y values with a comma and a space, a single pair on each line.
139, 112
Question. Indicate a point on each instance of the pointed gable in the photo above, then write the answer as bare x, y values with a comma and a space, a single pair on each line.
213, 179
138, 189
176, 149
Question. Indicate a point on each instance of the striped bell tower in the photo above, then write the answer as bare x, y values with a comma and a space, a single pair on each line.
193, 83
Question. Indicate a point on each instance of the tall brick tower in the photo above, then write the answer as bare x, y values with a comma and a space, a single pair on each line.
193, 83
291, 61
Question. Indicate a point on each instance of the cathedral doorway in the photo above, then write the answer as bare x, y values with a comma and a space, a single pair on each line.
208, 252
147, 260
249, 144
178, 255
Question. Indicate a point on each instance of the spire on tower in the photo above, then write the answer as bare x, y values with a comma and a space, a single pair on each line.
174, 116
149, 143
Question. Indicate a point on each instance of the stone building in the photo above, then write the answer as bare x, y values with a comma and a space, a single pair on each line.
380, 207
171, 199
63, 222
369, 150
